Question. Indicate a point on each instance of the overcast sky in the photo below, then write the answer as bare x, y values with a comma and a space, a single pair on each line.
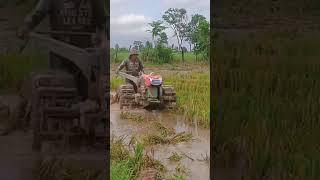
129, 18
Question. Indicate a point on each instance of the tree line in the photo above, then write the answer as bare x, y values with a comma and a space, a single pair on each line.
194, 31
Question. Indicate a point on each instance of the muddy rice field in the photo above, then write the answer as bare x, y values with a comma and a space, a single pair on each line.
192, 153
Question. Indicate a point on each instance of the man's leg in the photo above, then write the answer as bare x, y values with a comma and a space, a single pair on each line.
56, 62
128, 81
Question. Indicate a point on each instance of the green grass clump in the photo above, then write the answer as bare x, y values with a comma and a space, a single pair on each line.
116, 82
118, 151
166, 137
15, 67
175, 157
176, 177
267, 102
182, 170
57, 169
137, 117
180, 137
153, 139
126, 165
164, 131
188, 56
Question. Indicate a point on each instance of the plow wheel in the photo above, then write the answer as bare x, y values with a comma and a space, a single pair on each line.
169, 96
126, 95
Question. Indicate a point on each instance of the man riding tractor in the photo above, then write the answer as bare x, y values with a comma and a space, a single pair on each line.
71, 21
133, 66
71, 96
142, 90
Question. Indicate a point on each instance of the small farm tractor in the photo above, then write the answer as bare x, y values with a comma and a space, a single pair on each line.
69, 104
149, 92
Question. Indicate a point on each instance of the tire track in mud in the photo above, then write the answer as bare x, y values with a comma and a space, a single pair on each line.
195, 153
18, 161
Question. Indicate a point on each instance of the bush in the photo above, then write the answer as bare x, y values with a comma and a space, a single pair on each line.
148, 55
159, 55
164, 54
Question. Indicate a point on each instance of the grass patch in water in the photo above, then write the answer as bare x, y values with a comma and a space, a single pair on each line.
175, 157
56, 169
164, 131
153, 139
137, 117
177, 177
126, 165
165, 135
182, 170
116, 82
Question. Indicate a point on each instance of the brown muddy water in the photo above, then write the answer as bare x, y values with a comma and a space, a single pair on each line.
195, 153
18, 161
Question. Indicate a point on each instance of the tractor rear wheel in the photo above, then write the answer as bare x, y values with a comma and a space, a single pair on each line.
126, 96
169, 96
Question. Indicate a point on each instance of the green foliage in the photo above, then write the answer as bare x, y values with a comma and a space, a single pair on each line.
157, 32
118, 56
199, 35
176, 177
192, 26
125, 165
272, 90
163, 38
148, 54
116, 82
177, 20
202, 43
148, 45
164, 54
158, 55
121, 171
15, 67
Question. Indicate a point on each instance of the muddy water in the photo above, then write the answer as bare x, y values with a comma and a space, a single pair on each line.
196, 153
18, 161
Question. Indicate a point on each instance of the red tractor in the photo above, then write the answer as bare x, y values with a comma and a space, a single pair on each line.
149, 92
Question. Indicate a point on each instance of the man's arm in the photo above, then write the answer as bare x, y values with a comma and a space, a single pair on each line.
38, 14
141, 66
34, 18
121, 66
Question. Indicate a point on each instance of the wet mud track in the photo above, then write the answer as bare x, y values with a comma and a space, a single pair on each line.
19, 162
195, 153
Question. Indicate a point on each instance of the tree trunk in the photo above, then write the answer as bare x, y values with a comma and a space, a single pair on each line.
182, 54
190, 47
116, 55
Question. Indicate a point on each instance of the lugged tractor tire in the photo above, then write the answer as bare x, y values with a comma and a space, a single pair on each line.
169, 96
126, 95
46, 80
36, 140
